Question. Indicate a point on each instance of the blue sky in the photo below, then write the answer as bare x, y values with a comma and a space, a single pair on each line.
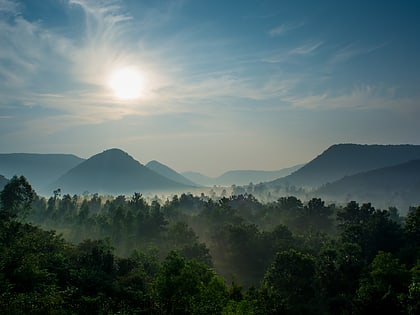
227, 84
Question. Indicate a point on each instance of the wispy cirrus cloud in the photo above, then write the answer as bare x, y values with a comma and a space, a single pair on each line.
303, 50
365, 97
306, 49
44, 67
351, 51
82, 64
284, 28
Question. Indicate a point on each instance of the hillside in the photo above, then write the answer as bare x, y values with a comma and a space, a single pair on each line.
113, 172
39, 169
199, 178
169, 173
348, 159
395, 185
244, 177
239, 177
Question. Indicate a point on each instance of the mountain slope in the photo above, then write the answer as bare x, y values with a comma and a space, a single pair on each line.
199, 178
39, 169
348, 159
239, 177
244, 177
113, 172
169, 173
390, 185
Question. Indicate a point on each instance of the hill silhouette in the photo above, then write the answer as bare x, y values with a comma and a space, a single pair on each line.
239, 177
168, 172
244, 177
199, 178
39, 169
113, 172
394, 185
348, 159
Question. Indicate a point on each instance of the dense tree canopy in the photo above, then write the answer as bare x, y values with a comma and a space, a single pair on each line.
16, 198
197, 255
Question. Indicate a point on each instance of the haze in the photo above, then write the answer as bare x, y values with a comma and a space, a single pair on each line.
224, 85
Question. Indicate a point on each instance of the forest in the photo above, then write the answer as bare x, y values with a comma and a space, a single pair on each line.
188, 254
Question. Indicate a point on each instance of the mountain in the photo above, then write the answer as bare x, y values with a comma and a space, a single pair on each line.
39, 169
239, 177
3, 182
348, 159
169, 173
244, 177
113, 172
394, 185
199, 178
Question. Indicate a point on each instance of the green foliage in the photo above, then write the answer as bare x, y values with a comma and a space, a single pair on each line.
182, 238
30, 261
413, 298
290, 283
188, 287
412, 235
124, 255
16, 198
371, 229
383, 290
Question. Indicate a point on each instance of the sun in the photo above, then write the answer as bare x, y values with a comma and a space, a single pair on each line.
126, 83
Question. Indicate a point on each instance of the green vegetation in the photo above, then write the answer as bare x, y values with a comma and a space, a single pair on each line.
197, 255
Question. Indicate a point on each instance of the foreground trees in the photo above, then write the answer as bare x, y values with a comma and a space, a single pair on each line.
290, 285
193, 255
16, 198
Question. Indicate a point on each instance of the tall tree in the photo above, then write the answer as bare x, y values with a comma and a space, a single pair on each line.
16, 198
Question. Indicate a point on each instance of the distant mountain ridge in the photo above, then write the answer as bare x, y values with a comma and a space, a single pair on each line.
39, 169
113, 172
239, 177
168, 172
348, 159
116, 172
198, 178
393, 185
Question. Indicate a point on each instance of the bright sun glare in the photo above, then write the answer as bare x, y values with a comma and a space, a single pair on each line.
126, 83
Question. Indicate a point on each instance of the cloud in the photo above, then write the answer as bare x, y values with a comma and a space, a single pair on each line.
186, 72
352, 51
286, 55
101, 45
365, 97
52, 69
283, 29
7, 6
306, 49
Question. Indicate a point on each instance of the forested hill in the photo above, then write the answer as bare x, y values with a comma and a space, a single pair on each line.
398, 184
168, 172
39, 169
348, 159
113, 172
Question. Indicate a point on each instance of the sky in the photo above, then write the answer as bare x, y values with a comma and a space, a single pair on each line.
223, 84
